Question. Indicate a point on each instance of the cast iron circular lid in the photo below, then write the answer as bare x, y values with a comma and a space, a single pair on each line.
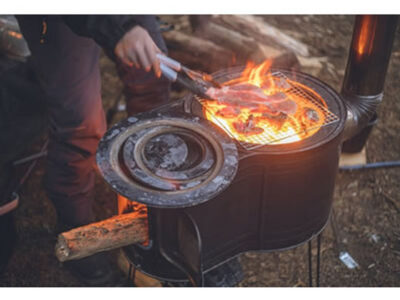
169, 160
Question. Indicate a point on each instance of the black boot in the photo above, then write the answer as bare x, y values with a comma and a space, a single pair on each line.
93, 270
7, 237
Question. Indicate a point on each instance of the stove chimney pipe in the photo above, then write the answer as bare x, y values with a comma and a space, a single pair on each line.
366, 69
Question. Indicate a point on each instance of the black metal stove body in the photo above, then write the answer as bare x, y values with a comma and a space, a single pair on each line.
280, 197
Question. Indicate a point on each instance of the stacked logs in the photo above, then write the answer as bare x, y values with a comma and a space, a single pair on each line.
213, 42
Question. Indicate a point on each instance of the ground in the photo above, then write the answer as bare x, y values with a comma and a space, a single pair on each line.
366, 203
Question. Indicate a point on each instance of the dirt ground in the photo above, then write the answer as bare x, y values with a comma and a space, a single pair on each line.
366, 203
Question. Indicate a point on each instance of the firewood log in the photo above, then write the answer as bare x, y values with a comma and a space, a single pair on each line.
243, 44
224, 37
261, 31
198, 53
112, 233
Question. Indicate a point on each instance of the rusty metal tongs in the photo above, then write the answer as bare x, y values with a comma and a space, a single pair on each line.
195, 81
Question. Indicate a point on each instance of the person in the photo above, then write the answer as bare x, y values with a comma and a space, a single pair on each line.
65, 54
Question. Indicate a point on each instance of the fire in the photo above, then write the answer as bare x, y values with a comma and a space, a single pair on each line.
366, 36
260, 125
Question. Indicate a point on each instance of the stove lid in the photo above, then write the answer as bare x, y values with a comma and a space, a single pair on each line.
170, 160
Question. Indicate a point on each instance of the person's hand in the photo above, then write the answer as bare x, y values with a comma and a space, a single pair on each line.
137, 48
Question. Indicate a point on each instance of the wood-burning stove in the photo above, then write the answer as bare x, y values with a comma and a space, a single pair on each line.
208, 198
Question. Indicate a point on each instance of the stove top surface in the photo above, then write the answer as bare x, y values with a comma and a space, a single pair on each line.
171, 159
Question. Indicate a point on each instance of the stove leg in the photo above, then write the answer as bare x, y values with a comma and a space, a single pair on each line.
188, 255
336, 233
310, 281
310, 269
195, 273
319, 238
131, 274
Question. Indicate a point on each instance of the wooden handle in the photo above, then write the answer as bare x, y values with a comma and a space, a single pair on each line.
112, 233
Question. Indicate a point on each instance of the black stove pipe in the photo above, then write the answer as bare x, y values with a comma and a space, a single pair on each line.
366, 69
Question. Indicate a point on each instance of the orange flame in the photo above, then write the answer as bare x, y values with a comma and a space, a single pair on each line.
366, 36
265, 128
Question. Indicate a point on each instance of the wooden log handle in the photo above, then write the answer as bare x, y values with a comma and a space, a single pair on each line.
112, 233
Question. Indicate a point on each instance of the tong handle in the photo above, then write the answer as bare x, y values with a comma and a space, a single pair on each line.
172, 70
178, 67
183, 80
169, 62
169, 73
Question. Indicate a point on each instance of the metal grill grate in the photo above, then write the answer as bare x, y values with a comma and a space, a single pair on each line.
285, 135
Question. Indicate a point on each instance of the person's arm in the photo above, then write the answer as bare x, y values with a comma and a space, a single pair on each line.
127, 36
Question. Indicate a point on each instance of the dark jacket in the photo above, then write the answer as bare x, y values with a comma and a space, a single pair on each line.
107, 30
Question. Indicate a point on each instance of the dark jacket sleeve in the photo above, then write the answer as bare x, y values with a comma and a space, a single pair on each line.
107, 30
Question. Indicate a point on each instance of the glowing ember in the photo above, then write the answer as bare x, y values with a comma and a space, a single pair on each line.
261, 108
